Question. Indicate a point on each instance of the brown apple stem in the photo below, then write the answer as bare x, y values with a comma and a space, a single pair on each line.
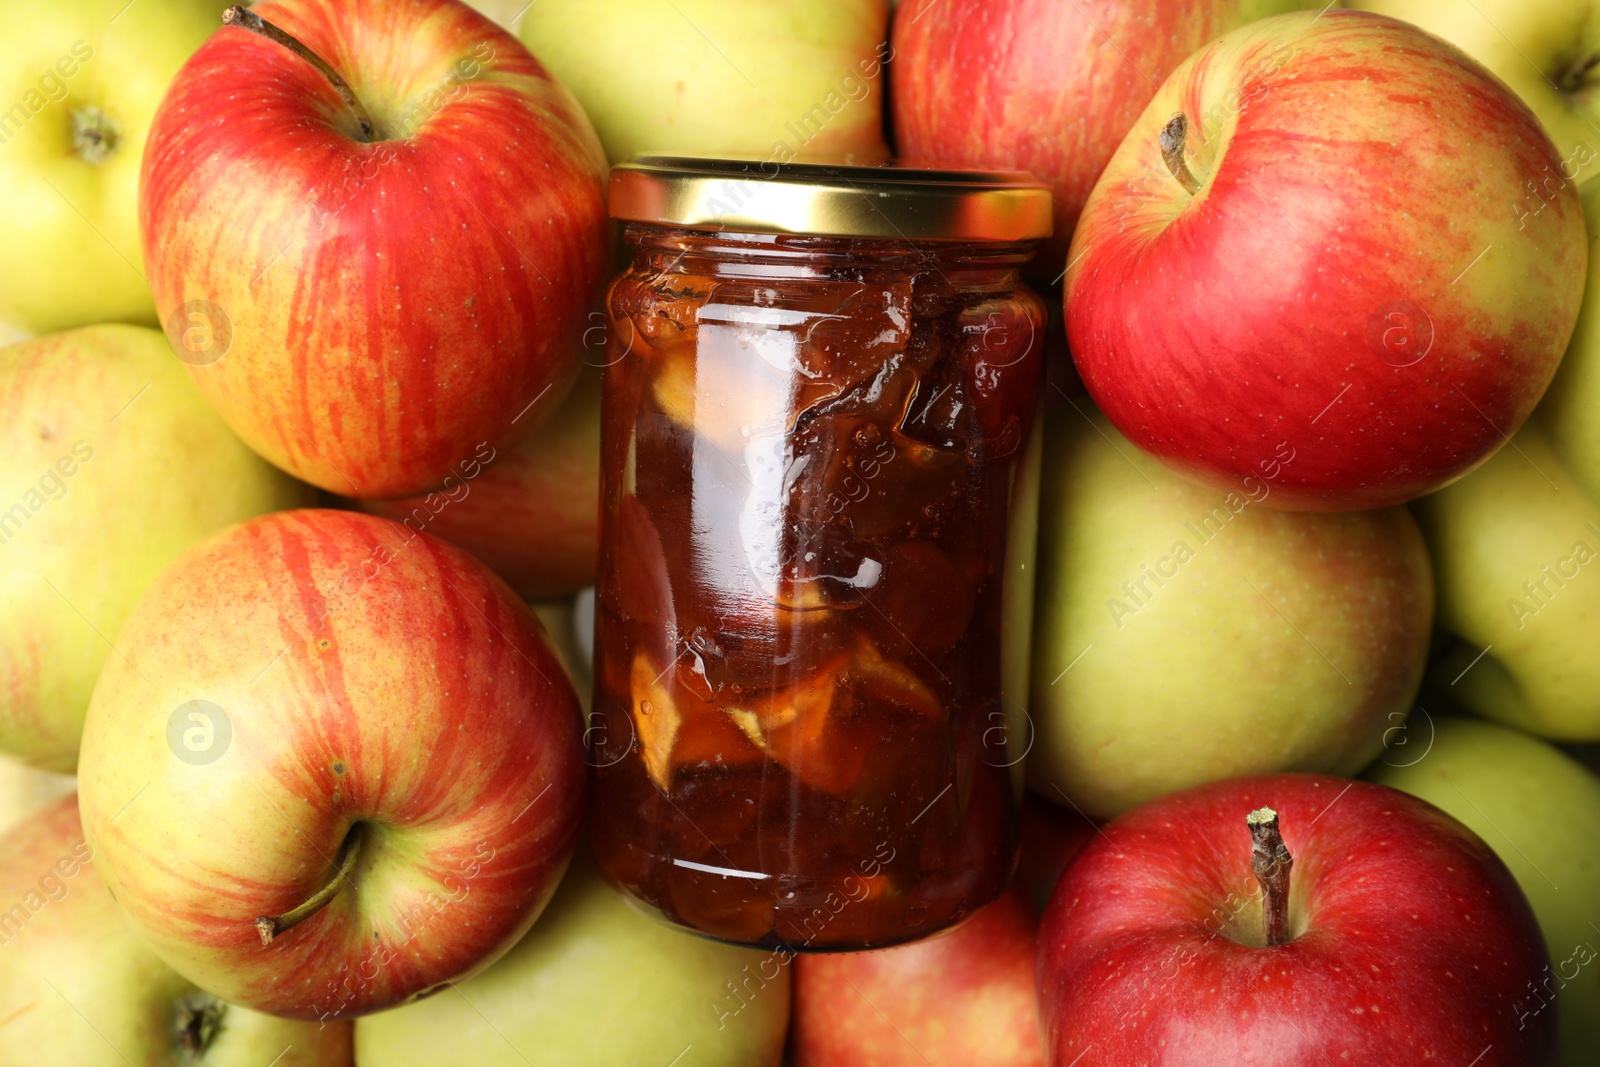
270, 926
248, 20
1174, 141
1270, 860
1571, 80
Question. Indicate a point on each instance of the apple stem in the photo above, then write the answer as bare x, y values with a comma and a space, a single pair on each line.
270, 926
1571, 80
249, 20
1270, 860
1174, 140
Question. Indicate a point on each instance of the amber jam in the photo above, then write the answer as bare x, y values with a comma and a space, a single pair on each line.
819, 466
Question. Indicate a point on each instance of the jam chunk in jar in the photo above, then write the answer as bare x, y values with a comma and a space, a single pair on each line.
819, 454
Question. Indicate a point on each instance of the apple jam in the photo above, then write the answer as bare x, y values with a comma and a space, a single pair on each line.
819, 467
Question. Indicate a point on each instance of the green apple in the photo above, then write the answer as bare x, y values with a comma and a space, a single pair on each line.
596, 984
1545, 50
1184, 634
777, 80
78, 987
1540, 810
1515, 546
81, 83
111, 463
1570, 410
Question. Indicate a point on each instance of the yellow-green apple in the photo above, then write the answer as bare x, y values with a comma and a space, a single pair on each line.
1540, 810
336, 766
1183, 634
111, 463
1298, 246
25, 789
778, 79
508, 13
1570, 410
78, 986
533, 515
1290, 919
596, 984
386, 260
1514, 548
81, 83
958, 998
1547, 52
1048, 86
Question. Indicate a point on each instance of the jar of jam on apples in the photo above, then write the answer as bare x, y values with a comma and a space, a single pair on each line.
820, 477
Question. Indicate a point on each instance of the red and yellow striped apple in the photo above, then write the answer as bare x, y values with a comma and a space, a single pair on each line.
78, 986
1307, 242
387, 279
1048, 86
958, 998
533, 514
1545, 50
337, 765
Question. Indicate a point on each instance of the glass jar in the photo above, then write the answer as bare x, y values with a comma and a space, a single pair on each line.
820, 461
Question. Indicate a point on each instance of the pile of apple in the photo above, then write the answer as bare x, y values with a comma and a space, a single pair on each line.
299, 464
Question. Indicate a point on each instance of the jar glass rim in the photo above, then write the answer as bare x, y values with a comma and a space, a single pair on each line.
828, 198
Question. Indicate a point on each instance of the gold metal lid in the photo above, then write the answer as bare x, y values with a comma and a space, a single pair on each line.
894, 200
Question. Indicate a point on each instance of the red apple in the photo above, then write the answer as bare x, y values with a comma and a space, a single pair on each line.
1400, 938
533, 515
369, 292
961, 997
1349, 283
335, 765
1048, 86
